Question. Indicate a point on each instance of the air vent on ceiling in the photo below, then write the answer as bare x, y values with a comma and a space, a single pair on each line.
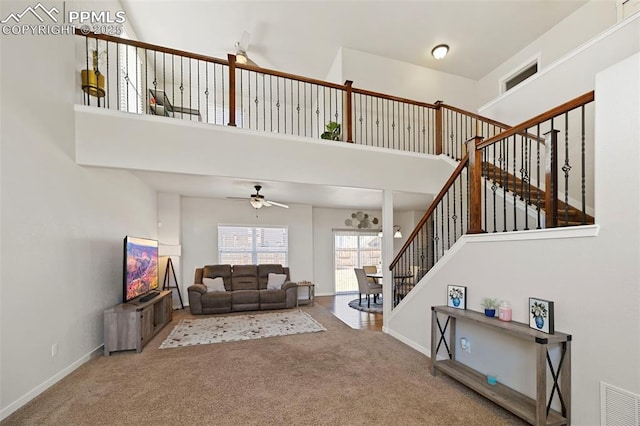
618, 407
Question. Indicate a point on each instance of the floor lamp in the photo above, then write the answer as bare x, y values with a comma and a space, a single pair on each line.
168, 251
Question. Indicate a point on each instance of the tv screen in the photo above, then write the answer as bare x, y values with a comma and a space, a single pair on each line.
140, 267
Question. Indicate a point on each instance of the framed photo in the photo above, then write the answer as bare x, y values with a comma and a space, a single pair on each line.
541, 315
457, 296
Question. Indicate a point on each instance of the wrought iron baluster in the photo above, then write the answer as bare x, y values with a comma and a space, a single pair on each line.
462, 209
515, 186
264, 104
206, 90
484, 174
494, 188
298, 106
361, 121
504, 181
566, 168
318, 109
448, 220
583, 175
539, 226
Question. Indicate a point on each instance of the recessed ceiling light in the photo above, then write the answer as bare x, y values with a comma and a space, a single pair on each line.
440, 51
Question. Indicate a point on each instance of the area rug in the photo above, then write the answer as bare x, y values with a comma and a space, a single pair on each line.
203, 331
376, 308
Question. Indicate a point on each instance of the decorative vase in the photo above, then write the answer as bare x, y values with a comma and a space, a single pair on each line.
456, 301
490, 312
539, 322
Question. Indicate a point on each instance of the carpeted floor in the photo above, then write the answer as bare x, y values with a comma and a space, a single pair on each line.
305, 379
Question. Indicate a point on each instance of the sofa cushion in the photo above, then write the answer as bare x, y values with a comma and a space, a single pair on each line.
214, 284
272, 296
216, 299
275, 281
244, 277
245, 300
223, 271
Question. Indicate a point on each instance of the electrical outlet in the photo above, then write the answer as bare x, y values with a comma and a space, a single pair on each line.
465, 344
54, 350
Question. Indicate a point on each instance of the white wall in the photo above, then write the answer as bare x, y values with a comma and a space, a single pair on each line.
593, 280
406, 80
569, 77
324, 222
62, 225
201, 217
585, 23
169, 227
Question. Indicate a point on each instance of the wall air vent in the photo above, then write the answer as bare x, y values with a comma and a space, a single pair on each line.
520, 76
618, 407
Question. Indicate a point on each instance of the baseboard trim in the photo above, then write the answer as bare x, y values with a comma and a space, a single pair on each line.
24, 399
418, 347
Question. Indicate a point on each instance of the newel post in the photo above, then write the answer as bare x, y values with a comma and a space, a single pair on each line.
551, 178
438, 146
475, 185
232, 90
349, 110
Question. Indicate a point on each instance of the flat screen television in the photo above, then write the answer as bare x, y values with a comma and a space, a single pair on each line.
140, 274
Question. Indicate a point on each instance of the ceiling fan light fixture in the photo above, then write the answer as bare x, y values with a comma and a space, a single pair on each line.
440, 51
241, 58
256, 203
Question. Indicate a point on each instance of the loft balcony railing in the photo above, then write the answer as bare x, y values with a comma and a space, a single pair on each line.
535, 175
142, 78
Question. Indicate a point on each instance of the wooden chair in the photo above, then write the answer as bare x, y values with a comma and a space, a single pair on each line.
365, 287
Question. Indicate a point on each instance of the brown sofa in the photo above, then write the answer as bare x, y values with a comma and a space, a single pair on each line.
246, 289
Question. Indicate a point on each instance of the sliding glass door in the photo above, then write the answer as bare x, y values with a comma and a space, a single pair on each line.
353, 249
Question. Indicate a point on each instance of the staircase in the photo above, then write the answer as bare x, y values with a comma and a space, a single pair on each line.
568, 215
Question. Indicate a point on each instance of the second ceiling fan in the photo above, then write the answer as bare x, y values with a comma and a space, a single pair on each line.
258, 201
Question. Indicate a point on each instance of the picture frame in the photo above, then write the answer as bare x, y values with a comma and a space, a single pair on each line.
457, 296
541, 315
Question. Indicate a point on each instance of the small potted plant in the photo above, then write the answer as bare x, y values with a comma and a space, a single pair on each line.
490, 306
332, 132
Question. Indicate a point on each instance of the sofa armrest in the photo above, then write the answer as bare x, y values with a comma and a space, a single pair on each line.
288, 285
200, 288
291, 294
195, 298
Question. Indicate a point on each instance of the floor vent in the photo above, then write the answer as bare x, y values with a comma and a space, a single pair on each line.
618, 406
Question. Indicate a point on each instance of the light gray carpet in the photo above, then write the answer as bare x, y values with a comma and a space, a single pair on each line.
338, 377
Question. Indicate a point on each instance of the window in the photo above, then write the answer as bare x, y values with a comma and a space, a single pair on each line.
252, 245
354, 249
130, 75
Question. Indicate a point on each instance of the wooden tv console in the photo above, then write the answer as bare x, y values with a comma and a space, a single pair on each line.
534, 411
131, 325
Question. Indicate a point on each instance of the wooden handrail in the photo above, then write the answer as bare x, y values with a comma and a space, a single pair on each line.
393, 98
565, 107
458, 170
155, 47
291, 76
476, 116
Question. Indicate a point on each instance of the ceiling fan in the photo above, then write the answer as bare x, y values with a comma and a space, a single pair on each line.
241, 50
258, 201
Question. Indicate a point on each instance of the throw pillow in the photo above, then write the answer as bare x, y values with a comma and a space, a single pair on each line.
275, 281
214, 284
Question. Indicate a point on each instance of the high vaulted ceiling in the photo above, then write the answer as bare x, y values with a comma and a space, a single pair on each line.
303, 37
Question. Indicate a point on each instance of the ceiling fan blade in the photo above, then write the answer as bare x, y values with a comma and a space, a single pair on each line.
243, 44
238, 198
273, 203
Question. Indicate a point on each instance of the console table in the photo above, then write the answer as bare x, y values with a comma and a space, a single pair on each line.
131, 325
535, 411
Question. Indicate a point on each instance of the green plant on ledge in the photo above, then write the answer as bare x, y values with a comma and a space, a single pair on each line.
489, 303
333, 132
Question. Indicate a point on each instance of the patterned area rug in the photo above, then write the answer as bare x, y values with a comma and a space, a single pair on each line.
240, 327
376, 308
